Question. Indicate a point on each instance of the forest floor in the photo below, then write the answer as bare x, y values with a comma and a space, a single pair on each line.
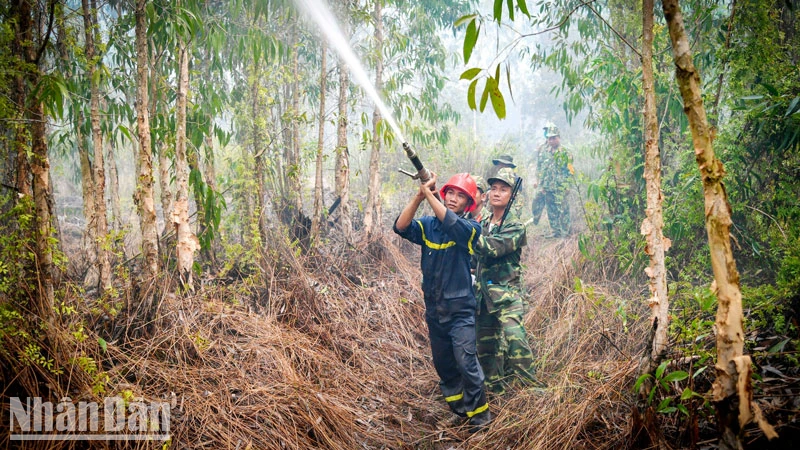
331, 351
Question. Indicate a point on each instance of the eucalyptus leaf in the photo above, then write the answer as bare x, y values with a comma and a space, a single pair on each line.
471, 95
471, 38
498, 10
498, 102
523, 7
485, 95
464, 19
469, 74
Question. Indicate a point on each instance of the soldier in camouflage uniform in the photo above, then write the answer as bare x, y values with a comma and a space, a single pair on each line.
483, 188
553, 169
503, 348
498, 164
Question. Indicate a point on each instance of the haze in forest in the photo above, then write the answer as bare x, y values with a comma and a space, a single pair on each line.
198, 198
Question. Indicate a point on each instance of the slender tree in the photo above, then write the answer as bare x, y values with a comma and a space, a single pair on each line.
33, 165
323, 85
187, 242
144, 197
164, 181
294, 163
653, 224
65, 35
732, 390
20, 48
99, 217
113, 186
372, 215
342, 170
259, 148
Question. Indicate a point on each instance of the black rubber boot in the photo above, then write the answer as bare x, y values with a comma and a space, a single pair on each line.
479, 422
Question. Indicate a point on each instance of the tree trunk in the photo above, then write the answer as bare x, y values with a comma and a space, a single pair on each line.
187, 241
40, 168
210, 176
87, 189
143, 197
323, 82
100, 219
732, 391
113, 186
372, 215
164, 178
342, 170
193, 160
653, 224
19, 48
30, 145
258, 151
87, 183
295, 190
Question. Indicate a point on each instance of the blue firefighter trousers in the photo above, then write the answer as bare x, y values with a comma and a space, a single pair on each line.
454, 349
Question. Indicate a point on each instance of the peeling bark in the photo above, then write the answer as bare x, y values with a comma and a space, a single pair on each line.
165, 186
732, 393
143, 197
40, 168
113, 187
99, 176
653, 225
87, 189
187, 242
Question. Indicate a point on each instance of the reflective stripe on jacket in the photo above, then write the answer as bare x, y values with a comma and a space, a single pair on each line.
446, 248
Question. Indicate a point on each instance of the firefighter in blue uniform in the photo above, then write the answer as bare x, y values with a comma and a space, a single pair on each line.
446, 240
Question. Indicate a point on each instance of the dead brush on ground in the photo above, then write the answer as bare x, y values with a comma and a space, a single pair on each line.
330, 351
326, 351
586, 354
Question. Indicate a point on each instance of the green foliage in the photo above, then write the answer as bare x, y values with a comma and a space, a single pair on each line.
768, 309
603, 303
12, 327
17, 258
667, 384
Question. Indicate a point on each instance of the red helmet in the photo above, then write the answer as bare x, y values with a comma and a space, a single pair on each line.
464, 183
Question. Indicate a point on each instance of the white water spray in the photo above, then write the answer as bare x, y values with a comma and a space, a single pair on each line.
318, 11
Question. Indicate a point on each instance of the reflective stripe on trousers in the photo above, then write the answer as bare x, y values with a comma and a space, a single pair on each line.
455, 358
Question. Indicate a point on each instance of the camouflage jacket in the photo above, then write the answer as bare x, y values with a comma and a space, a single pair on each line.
498, 252
552, 168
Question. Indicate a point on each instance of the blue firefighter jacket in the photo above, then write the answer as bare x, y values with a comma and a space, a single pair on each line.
446, 248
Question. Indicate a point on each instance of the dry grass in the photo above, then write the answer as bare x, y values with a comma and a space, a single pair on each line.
585, 356
330, 351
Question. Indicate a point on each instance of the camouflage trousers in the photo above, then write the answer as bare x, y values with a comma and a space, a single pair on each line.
503, 349
557, 210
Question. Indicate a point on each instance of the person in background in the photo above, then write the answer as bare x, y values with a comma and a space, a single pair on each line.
553, 169
499, 163
503, 348
505, 161
477, 213
447, 239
